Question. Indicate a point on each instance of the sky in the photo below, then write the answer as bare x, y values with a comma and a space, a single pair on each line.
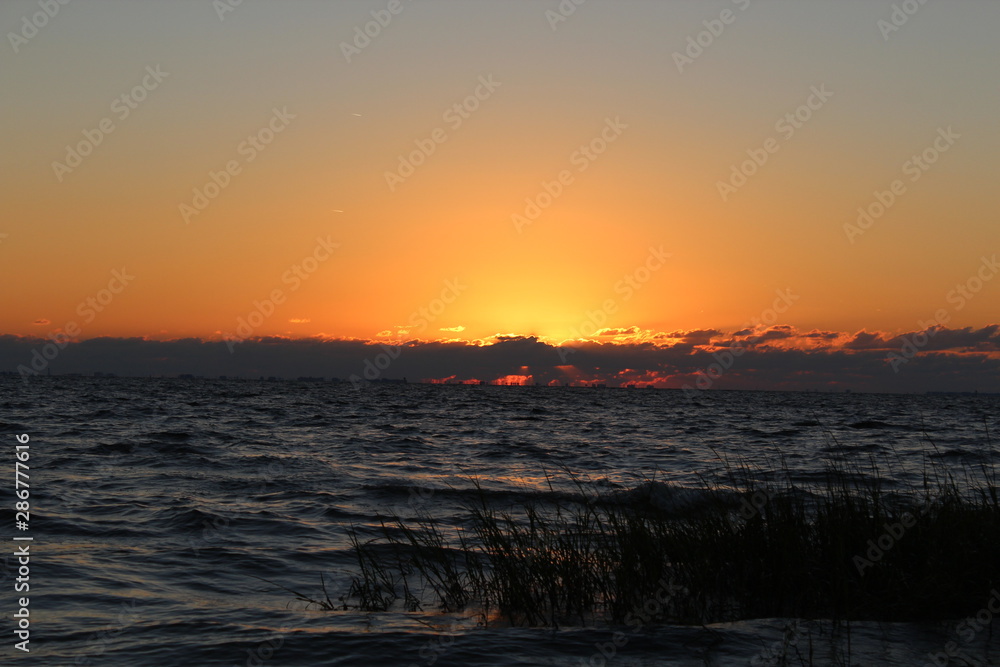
665, 179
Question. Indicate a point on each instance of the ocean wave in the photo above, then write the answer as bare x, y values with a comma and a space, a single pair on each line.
673, 499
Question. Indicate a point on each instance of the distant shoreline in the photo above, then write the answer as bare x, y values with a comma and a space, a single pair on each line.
185, 377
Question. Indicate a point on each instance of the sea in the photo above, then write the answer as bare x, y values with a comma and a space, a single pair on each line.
170, 520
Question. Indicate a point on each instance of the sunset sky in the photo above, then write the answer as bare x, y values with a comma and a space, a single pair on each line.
624, 122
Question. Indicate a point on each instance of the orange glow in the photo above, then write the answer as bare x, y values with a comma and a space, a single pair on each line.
514, 380
310, 238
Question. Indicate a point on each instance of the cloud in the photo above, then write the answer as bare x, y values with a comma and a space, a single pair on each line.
297, 320
864, 340
41, 323
778, 357
822, 335
985, 339
629, 331
698, 336
458, 329
778, 332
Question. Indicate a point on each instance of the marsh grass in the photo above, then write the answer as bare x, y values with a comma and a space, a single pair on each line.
845, 548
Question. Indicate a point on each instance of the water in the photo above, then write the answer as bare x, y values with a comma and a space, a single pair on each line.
156, 503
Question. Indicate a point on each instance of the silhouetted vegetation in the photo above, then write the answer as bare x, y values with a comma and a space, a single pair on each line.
845, 549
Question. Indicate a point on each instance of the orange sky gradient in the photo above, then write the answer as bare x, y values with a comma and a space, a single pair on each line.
586, 262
